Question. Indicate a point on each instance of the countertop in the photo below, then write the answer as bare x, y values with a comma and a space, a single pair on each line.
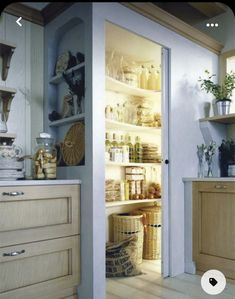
217, 179
38, 182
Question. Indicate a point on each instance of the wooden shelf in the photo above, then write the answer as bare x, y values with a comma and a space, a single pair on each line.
130, 202
67, 120
223, 119
59, 78
115, 85
116, 125
6, 51
110, 163
6, 96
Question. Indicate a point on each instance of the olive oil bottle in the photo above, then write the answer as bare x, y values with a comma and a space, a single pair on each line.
138, 150
131, 150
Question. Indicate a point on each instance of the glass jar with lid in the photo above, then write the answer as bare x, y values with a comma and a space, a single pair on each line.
45, 158
130, 76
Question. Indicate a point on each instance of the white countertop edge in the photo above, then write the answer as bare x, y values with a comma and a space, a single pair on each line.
218, 179
39, 182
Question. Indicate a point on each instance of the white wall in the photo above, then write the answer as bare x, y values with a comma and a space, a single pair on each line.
225, 32
26, 76
188, 62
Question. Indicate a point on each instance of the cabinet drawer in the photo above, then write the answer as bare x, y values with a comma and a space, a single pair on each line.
38, 213
215, 186
43, 268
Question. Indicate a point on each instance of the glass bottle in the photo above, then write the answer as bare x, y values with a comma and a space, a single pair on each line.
45, 158
131, 150
114, 149
125, 112
138, 150
153, 79
159, 83
144, 78
115, 113
121, 143
107, 143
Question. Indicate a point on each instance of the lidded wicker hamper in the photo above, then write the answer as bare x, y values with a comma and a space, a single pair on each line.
127, 225
152, 232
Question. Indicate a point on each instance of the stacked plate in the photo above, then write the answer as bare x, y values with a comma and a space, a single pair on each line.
11, 169
150, 153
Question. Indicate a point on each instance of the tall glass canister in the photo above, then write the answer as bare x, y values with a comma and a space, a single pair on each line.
44, 158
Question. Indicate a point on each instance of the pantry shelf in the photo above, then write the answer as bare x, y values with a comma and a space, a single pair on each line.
130, 202
59, 78
223, 119
110, 163
115, 85
67, 120
116, 125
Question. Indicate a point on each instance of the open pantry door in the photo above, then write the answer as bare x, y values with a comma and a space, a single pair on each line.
165, 162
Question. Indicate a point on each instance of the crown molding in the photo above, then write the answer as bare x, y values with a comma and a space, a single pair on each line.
162, 17
27, 13
43, 17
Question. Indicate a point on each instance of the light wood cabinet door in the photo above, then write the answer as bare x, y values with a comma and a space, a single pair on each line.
36, 270
214, 227
38, 213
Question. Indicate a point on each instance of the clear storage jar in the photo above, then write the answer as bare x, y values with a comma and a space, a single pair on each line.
45, 159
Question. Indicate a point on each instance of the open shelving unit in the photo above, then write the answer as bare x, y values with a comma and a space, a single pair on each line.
67, 120
59, 78
111, 163
118, 93
130, 202
223, 119
113, 125
118, 86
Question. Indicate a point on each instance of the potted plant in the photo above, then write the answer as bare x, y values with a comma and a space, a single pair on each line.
221, 92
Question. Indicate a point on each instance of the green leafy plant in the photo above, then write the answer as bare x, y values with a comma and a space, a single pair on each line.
220, 92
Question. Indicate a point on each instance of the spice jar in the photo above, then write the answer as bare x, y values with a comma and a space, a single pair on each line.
45, 158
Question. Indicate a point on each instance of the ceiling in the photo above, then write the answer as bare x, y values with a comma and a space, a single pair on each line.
193, 13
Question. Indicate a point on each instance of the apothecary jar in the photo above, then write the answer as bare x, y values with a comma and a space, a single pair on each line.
44, 158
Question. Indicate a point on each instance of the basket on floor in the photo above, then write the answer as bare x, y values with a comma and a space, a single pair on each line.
152, 232
127, 225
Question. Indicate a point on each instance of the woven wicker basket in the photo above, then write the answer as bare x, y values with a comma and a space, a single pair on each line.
126, 225
73, 147
152, 232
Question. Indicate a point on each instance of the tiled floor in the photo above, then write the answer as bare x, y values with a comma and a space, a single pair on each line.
150, 285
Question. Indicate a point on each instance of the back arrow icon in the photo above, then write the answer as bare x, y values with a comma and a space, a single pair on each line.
18, 21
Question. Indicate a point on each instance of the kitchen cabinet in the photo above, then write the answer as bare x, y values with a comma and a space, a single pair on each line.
40, 239
213, 210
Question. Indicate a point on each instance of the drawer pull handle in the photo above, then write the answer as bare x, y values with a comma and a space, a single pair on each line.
221, 187
13, 193
14, 253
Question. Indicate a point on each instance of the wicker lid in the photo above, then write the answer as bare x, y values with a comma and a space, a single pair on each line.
126, 215
154, 208
73, 147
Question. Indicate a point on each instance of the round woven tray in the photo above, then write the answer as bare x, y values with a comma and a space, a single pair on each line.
73, 147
